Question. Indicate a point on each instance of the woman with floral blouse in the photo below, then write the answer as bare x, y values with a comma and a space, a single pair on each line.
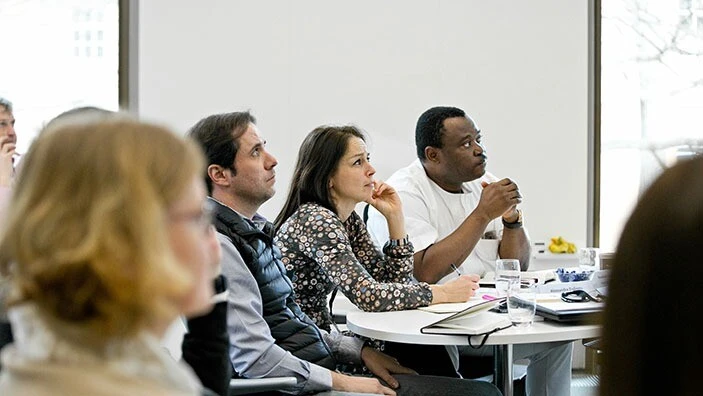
325, 244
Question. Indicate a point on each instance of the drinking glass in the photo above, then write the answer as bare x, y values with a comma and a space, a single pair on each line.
507, 274
522, 303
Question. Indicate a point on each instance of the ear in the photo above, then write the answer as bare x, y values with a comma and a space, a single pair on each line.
218, 175
432, 154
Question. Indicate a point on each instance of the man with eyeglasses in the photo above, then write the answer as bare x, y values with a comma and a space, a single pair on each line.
270, 336
8, 144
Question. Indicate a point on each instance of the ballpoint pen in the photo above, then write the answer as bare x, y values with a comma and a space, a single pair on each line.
455, 269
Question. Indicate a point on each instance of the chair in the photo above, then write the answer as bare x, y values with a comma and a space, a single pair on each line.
246, 386
481, 368
365, 214
594, 352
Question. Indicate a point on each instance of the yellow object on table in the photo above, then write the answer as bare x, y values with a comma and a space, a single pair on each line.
560, 245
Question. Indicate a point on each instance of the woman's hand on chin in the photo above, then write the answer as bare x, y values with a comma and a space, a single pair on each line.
385, 199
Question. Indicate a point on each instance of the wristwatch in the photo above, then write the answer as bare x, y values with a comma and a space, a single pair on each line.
515, 224
398, 242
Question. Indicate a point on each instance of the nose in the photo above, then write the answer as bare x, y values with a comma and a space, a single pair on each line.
371, 170
480, 149
271, 160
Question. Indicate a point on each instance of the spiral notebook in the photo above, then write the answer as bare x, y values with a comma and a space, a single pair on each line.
474, 320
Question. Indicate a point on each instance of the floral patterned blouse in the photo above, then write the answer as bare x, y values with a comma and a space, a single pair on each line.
320, 252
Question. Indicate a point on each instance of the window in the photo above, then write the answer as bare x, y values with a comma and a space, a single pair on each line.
64, 68
651, 84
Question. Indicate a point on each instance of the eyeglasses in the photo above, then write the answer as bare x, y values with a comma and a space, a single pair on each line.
202, 218
577, 296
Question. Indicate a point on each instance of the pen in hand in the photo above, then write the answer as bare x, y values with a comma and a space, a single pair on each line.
455, 269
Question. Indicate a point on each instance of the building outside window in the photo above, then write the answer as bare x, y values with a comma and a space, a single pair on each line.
651, 99
51, 67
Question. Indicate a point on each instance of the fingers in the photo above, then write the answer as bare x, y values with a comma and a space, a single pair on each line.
472, 280
386, 376
382, 188
506, 182
512, 190
396, 368
8, 148
508, 189
474, 286
461, 288
474, 277
399, 369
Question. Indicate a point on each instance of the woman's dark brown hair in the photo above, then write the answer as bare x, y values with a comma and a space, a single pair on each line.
650, 332
318, 159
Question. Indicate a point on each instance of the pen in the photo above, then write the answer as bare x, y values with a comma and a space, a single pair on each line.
455, 269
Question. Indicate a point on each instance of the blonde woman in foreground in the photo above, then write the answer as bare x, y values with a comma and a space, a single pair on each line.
106, 243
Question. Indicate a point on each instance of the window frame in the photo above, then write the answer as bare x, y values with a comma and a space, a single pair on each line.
594, 127
128, 50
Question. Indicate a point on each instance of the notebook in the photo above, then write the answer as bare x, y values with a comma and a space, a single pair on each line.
474, 320
452, 307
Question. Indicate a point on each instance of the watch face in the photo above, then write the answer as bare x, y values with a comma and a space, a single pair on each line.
519, 217
515, 224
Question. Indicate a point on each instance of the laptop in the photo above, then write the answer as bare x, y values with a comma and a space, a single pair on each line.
561, 311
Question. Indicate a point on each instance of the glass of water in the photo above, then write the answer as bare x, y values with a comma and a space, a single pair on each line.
522, 303
507, 274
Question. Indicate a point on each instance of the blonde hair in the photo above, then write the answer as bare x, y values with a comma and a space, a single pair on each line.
87, 237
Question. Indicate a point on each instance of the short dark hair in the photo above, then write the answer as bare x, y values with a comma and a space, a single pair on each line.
218, 135
318, 159
430, 126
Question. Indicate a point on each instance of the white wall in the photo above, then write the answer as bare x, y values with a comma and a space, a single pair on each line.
519, 68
